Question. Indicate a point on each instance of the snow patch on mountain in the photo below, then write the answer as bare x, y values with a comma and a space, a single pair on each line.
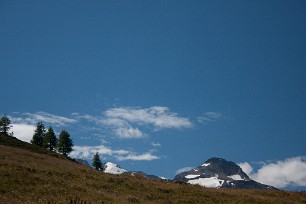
112, 168
212, 182
192, 176
205, 164
236, 177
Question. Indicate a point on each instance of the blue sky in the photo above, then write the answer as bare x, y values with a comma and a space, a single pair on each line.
160, 85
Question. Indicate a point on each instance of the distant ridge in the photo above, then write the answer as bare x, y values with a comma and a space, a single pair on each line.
142, 174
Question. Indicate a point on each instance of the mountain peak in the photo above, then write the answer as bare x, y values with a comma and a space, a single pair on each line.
223, 168
217, 173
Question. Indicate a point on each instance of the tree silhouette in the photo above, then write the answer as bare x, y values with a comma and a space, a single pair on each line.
97, 162
50, 140
39, 134
5, 124
65, 143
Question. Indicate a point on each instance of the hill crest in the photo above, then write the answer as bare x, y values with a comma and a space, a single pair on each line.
28, 175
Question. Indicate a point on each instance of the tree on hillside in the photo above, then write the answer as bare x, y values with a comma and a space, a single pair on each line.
39, 134
5, 124
50, 140
65, 143
97, 162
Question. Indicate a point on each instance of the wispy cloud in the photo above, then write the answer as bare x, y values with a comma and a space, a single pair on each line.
138, 157
209, 117
155, 144
158, 117
33, 118
184, 169
87, 152
128, 132
281, 174
130, 122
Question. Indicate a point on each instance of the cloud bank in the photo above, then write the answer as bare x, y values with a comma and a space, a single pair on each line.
281, 174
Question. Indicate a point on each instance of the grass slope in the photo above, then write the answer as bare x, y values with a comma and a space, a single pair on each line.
29, 174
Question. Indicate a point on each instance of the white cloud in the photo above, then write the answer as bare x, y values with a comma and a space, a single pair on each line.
127, 122
246, 167
155, 144
129, 132
87, 152
291, 171
140, 157
23, 132
114, 122
51, 119
184, 169
159, 117
209, 117
85, 138
24, 124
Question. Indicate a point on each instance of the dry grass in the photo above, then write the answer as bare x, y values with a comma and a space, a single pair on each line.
27, 176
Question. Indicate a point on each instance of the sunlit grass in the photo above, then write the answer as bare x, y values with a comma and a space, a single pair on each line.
31, 175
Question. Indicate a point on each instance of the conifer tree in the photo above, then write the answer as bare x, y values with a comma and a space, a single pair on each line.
65, 143
39, 134
5, 124
97, 162
50, 140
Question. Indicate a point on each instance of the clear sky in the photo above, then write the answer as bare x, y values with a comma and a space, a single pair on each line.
157, 85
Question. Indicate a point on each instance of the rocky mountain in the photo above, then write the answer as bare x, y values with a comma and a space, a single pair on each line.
219, 173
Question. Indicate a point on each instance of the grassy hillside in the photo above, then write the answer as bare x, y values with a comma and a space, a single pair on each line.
29, 174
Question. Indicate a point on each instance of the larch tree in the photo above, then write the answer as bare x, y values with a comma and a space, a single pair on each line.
5, 124
50, 140
65, 143
96, 162
39, 134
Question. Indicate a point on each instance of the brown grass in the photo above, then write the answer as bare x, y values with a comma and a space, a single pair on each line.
27, 176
